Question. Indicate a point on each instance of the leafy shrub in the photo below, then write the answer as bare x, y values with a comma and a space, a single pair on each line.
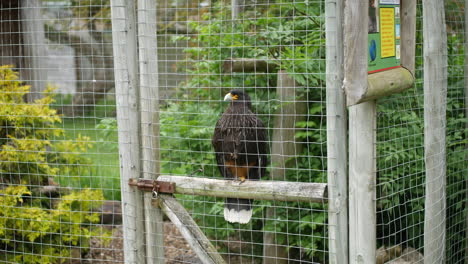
32, 149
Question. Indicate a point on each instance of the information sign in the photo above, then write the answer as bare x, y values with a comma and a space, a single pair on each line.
384, 35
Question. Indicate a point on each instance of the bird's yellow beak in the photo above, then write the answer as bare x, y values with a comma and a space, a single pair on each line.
229, 97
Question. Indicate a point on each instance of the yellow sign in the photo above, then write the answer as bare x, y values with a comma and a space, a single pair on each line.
387, 32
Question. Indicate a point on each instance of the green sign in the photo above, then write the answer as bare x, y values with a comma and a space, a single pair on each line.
384, 35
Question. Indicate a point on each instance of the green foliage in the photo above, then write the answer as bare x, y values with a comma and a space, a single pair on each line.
36, 235
32, 149
290, 35
400, 162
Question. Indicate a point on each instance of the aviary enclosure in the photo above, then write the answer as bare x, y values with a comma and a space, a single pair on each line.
108, 109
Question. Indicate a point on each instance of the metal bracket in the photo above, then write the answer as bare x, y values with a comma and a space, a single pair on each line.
152, 185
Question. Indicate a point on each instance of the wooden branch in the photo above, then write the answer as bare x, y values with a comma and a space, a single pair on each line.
258, 190
205, 251
248, 65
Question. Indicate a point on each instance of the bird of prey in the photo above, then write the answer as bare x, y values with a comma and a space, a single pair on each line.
240, 144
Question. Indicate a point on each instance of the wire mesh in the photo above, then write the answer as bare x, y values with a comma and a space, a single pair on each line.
59, 171
60, 183
274, 51
457, 212
401, 177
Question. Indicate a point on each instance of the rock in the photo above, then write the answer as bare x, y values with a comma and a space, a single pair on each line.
52, 191
111, 213
412, 255
384, 254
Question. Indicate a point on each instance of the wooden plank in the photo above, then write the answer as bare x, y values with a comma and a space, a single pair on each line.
362, 123
246, 65
200, 244
258, 190
408, 34
355, 43
362, 195
466, 115
435, 99
149, 109
32, 27
128, 118
337, 158
284, 148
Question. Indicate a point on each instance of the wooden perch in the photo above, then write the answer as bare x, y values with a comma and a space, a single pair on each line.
189, 229
248, 65
258, 190
379, 85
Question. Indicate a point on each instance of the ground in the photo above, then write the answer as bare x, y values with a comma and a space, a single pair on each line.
176, 248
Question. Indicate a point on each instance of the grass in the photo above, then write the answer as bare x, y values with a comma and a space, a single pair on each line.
103, 171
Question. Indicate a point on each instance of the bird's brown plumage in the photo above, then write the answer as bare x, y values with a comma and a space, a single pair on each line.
240, 144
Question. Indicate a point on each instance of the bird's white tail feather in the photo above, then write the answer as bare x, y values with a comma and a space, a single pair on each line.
233, 216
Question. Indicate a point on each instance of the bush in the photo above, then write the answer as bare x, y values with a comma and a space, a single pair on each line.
32, 149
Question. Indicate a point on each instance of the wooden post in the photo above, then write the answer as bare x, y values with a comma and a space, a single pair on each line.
149, 108
200, 244
32, 27
362, 195
362, 123
283, 149
128, 117
248, 65
466, 116
408, 34
336, 135
435, 99
235, 9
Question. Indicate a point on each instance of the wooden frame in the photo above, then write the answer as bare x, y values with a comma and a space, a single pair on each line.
128, 117
337, 158
435, 100
149, 109
362, 90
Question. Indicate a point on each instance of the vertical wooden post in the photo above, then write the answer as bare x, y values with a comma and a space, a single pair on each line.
149, 107
466, 116
362, 123
408, 34
235, 9
435, 99
32, 27
336, 135
362, 195
291, 111
128, 116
